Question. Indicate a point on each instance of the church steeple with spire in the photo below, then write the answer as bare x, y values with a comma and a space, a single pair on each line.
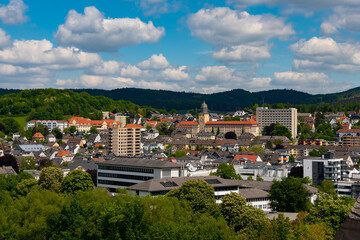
204, 107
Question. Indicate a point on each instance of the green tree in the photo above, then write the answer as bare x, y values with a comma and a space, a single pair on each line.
76, 180
318, 152
291, 158
50, 178
328, 187
289, 195
256, 149
25, 186
331, 212
72, 129
28, 163
226, 171
199, 195
10, 125
93, 129
240, 216
179, 153
250, 178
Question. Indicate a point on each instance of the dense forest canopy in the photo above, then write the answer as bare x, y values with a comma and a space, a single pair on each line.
59, 104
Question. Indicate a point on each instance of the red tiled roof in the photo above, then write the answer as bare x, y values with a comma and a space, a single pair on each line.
248, 122
152, 123
38, 135
348, 131
249, 157
133, 126
62, 153
187, 124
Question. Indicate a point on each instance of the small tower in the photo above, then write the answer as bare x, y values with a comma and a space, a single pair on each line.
204, 107
203, 117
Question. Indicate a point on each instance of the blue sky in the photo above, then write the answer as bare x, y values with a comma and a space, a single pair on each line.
181, 45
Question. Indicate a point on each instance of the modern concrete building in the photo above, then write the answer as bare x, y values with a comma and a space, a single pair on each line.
286, 117
125, 172
256, 197
125, 141
320, 168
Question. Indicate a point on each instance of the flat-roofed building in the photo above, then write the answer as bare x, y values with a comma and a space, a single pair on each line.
125, 172
320, 168
286, 117
125, 141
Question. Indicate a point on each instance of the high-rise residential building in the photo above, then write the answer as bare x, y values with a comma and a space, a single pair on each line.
286, 117
125, 141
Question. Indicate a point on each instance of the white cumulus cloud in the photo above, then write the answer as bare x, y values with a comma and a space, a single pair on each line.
343, 18
14, 12
92, 32
155, 62
42, 52
326, 53
223, 26
175, 74
312, 82
242, 54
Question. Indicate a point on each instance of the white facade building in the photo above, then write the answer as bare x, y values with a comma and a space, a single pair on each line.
125, 172
50, 124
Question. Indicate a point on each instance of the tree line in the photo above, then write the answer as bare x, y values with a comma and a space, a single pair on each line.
57, 207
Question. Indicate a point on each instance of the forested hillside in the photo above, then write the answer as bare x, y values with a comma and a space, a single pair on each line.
58, 104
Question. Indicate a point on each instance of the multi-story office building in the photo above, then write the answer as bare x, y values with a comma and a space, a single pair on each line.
125, 141
125, 172
286, 117
321, 168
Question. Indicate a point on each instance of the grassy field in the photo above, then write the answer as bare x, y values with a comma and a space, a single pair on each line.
20, 119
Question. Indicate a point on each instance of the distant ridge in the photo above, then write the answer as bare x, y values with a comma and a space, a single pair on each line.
222, 101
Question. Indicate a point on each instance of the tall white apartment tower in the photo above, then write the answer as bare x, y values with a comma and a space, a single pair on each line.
286, 117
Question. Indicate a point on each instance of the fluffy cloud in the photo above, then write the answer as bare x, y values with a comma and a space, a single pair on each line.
156, 7
242, 54
295, 3
93, 81
326, 53
175, 74
155, 62
92, 32
14, 12
34, 52
223, 26
343, 18
314, 82
4, 39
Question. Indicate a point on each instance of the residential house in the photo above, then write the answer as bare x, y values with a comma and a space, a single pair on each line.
38, 137
50, 138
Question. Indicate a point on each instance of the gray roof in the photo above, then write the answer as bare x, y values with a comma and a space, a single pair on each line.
7, 170
140, 162
250, 193
157, 185
31, 147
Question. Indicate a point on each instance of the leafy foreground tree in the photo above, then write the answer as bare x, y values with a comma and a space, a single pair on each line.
50, 178
77, 180
289, 195
198, 194
227, 171
330, 212
245, 219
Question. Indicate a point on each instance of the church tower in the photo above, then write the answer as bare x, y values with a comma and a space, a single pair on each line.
203, 116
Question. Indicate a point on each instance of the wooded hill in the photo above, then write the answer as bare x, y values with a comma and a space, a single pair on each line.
222, 101
60, 104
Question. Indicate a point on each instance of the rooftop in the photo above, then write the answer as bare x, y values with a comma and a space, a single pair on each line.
139, 162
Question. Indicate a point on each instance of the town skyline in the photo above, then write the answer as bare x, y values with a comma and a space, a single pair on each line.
180, 45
